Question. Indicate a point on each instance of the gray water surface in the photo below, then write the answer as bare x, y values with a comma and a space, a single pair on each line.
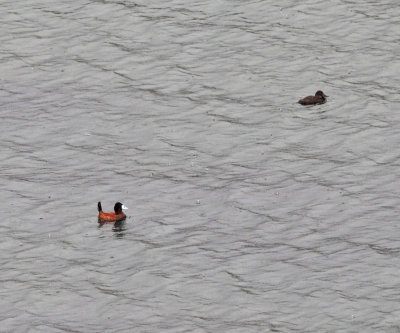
247, 211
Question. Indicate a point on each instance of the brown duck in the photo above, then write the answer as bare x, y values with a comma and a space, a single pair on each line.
319, 98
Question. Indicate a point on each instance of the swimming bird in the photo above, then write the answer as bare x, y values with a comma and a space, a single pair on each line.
118, 214
319, 98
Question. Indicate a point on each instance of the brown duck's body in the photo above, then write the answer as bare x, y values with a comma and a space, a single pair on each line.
319, 98
117, 215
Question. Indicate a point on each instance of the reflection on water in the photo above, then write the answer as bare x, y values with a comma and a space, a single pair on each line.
119, 228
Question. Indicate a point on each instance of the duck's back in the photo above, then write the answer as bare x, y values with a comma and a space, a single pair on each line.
309, 100
107, 217
111, 217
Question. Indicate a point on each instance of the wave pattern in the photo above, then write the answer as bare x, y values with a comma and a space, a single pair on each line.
248, 212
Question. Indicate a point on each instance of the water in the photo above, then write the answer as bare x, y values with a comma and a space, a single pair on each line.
247, 212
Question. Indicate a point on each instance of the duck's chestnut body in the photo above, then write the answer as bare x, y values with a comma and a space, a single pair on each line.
117, 215
319, 98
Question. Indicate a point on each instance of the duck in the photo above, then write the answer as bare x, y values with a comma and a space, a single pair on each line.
117, 215
319, 98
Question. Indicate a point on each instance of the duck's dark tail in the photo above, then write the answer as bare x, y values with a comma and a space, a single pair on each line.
99, 206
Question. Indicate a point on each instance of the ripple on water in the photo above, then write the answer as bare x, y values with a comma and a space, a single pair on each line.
249, 211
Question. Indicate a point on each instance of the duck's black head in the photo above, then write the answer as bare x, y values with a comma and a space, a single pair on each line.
117, 207
320, 93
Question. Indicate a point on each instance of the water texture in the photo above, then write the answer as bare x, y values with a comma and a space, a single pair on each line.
247, 211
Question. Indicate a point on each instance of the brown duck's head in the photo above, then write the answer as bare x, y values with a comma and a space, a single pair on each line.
319, 93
